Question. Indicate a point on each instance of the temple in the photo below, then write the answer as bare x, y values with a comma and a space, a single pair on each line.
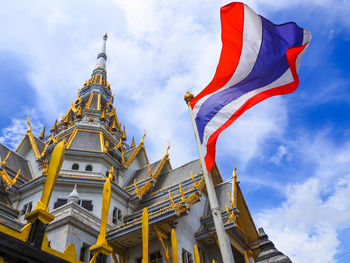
81, 193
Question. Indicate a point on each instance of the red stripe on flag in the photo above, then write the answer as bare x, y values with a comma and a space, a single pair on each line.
232, 20
291, 55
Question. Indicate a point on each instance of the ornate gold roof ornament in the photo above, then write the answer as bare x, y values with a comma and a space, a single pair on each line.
114, 126
182, 193
133, 142
103, 115
194, 181
167, 149
124, 135
7, 179
42, 134
231, 216
171, 200
79, 113
188, 97
66, 119
6, 158
14, 180
143, 137
54, 127
234, 185
29, 126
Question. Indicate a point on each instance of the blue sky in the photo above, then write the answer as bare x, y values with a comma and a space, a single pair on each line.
292, 151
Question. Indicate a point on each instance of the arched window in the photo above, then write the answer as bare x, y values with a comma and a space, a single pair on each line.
75, 166
88, 168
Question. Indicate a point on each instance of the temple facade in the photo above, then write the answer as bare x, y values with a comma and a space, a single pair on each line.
96, 151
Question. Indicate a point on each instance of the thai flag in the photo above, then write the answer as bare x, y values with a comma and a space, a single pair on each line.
258, 60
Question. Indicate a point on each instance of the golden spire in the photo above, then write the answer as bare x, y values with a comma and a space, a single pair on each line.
188, 97
114, 126
79, 113
42, 134
124, 136
54, 127
133, 142
103, 115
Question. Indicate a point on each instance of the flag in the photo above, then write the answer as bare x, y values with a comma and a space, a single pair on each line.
258, 60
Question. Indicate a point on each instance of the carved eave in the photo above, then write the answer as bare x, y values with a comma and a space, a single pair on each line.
161, 217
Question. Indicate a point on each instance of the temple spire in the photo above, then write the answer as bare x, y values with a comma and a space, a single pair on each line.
102, 57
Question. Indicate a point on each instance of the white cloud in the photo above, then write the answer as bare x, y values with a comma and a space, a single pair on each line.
14, 133
157, 50
316, 210
278, 156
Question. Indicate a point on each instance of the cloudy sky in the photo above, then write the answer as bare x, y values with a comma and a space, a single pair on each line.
292, 151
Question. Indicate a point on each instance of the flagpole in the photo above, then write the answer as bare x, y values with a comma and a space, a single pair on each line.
224, 243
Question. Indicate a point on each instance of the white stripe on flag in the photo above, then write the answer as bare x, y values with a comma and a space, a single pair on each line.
252, 37
226, 112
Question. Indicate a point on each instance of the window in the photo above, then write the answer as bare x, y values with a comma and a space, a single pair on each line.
88, 168
117, 215
26, 208
75, 166
59, 202
85, 254
186, 256
156, 257
87, 204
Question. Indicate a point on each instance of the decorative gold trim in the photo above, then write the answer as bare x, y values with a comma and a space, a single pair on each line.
71, 138
99, 101
165, 247
90, 100
6, 158
102, 144
135, 152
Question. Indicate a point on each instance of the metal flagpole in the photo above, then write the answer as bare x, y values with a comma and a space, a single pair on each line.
225, 247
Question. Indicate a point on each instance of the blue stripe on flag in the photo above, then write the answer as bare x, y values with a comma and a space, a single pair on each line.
270, 65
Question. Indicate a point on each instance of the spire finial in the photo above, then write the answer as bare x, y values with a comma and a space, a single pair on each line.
102, 57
